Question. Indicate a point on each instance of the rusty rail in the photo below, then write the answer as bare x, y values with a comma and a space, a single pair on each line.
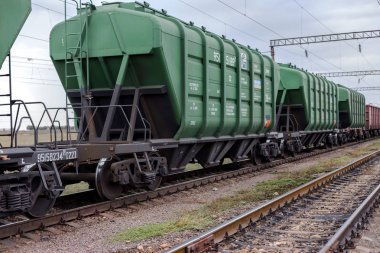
206, 240
343, 237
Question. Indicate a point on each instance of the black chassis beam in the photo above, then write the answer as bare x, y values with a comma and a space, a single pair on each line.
18, 157
15, 177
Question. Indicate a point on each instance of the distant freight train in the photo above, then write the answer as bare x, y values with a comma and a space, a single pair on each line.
152, 93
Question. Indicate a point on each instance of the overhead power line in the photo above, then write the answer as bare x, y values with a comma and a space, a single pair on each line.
69, 2
325, 38
252, 19
31, 58
231, 26
351, 73
34, 38
330, 30
314, 17
276, 33
221, 21
46, 8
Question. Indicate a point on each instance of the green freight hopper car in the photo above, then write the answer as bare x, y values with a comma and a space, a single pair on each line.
207, 96
351, 111
13, 14
308, 105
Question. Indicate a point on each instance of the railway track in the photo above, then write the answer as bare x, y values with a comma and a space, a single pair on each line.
320, 215
173, 184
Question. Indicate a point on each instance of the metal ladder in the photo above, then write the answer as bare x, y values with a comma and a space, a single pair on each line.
7, 95
58, 188
74, 58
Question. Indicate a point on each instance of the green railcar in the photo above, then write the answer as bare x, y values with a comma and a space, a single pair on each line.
312, 100
13, 14
211, 86
351, 108
202, 97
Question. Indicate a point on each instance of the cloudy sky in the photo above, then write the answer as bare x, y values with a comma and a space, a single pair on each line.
252, 23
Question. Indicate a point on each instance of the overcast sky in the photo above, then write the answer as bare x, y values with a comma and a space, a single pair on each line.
252, 23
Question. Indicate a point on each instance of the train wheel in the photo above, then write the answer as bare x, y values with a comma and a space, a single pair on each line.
155, 184
288, 153
256, 157
157, 181
42, 200
104, 183
269, 159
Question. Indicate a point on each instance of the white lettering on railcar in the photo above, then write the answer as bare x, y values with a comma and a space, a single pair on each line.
216, 56
230, 110
194, 107
56, 156
256, 96
230, 60
194, 86
213, 110
243, 80
244, 61
244, 112
257, 84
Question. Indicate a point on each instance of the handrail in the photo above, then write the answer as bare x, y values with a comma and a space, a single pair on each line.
291, 117
19, 103
55, 126
122, 108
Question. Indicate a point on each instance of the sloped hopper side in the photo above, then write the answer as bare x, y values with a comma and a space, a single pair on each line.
13, 14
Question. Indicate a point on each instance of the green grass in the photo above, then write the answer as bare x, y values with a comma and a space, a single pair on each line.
193, 166
26, 138
205, 215
73, 188
197, 166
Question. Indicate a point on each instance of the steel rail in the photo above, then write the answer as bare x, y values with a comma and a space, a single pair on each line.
343, 236
206, 240
62, 217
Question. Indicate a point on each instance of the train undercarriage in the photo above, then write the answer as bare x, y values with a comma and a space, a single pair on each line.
32, 179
